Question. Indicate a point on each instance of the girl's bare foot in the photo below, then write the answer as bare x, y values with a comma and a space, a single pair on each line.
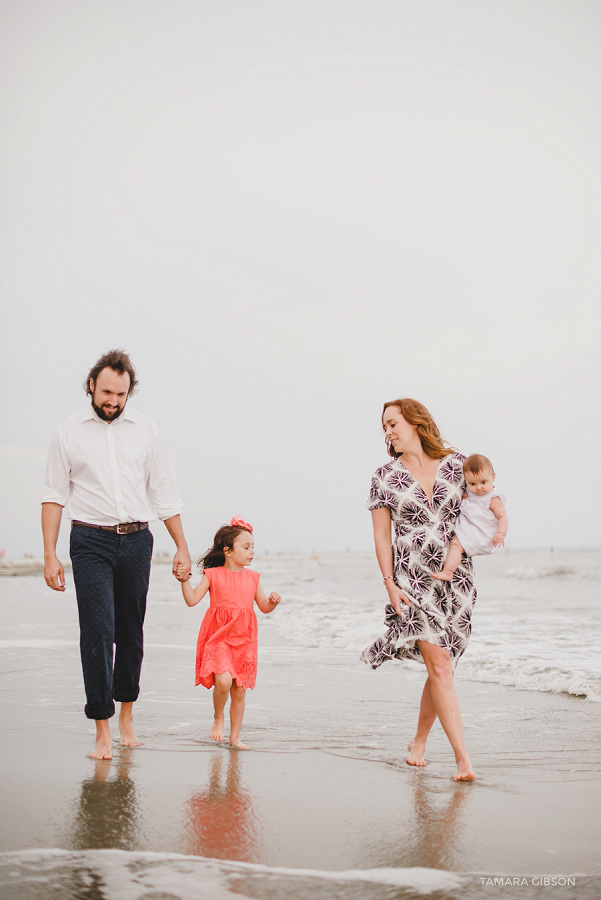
217, 729
464, 771
443, 576
238, 745
416, 753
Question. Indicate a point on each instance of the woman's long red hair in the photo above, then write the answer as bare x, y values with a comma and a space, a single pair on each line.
417, 415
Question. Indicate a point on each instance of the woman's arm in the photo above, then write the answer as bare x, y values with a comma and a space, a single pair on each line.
266, 604
382, 539
192, 596
500, 512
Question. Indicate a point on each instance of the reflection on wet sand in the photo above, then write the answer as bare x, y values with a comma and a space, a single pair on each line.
221, 821
107, 816
437, 824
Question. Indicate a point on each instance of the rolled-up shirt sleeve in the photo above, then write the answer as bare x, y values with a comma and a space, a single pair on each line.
162, 485
58, 470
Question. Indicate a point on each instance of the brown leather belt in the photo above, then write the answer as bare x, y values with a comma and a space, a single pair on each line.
122, 528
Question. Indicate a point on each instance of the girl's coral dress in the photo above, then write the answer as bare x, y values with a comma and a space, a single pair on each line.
227, 641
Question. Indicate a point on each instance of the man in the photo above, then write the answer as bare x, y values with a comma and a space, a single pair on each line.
109, 467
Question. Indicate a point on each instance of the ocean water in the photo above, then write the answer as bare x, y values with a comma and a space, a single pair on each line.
118, 875
536, 624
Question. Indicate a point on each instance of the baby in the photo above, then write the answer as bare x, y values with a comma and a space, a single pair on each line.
482, 523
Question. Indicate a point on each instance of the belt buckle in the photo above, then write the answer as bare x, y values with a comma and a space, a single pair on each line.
126, 526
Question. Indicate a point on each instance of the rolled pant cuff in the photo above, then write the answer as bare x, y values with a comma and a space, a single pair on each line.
100, 712
126, 696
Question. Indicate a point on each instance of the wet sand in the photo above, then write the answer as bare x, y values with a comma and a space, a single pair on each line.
325, 786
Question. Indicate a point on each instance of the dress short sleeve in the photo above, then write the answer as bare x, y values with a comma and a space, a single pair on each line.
208, 573
377, 492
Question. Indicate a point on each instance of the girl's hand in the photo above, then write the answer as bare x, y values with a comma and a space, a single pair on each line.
398, 598
273, 599
498, 540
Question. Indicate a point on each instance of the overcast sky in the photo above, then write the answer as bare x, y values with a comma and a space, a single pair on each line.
289, 213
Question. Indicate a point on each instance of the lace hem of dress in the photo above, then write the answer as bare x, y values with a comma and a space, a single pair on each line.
219, 660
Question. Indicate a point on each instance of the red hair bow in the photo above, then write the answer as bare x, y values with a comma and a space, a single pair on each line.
238, 522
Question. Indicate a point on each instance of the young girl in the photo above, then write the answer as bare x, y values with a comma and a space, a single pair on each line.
226, 655
482, 522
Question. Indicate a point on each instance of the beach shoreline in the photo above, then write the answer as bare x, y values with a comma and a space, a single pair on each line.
325, 788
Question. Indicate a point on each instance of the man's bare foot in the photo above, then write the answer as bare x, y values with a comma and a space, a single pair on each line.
217, 729
443, 576
464, 771
126, 726
238, 745
127, 734
416, 753
103, 748
104, 741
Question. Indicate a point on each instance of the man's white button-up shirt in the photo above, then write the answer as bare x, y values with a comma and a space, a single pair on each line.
110, 472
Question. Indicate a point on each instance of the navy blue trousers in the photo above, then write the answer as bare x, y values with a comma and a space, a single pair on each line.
111, 573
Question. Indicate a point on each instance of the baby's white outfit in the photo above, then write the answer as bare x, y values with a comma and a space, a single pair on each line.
477, 524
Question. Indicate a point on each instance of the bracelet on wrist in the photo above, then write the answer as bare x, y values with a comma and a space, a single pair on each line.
386, 577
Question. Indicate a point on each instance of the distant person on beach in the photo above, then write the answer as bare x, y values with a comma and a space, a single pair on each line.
109, 467
227, 650
417, 497
482, 523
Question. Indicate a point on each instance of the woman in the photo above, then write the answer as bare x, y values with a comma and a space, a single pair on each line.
419, 494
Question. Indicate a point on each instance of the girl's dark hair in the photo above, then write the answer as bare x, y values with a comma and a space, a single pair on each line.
225, 537
118, 361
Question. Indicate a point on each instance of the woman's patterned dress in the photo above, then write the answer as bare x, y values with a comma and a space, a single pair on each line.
441, 611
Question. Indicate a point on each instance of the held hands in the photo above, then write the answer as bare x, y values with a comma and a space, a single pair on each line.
181, 571
182, 565
498, 540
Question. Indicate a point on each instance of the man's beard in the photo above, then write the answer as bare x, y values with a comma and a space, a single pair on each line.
107, 417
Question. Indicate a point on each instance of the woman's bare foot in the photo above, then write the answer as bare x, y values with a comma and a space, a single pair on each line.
217, 729
443, 576
238, 745
416, 753
464, 771
126, 726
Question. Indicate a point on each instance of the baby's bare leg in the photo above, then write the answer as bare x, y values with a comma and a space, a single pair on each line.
238, 702
223, 683
451, 562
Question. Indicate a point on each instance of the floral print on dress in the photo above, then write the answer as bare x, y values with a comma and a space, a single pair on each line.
441, 610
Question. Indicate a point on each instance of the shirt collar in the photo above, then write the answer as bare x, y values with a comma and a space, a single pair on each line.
88, 415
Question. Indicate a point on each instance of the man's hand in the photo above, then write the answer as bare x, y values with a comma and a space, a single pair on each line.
54, 574
182, 565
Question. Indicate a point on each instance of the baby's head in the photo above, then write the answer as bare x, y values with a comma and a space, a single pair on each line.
479, 474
